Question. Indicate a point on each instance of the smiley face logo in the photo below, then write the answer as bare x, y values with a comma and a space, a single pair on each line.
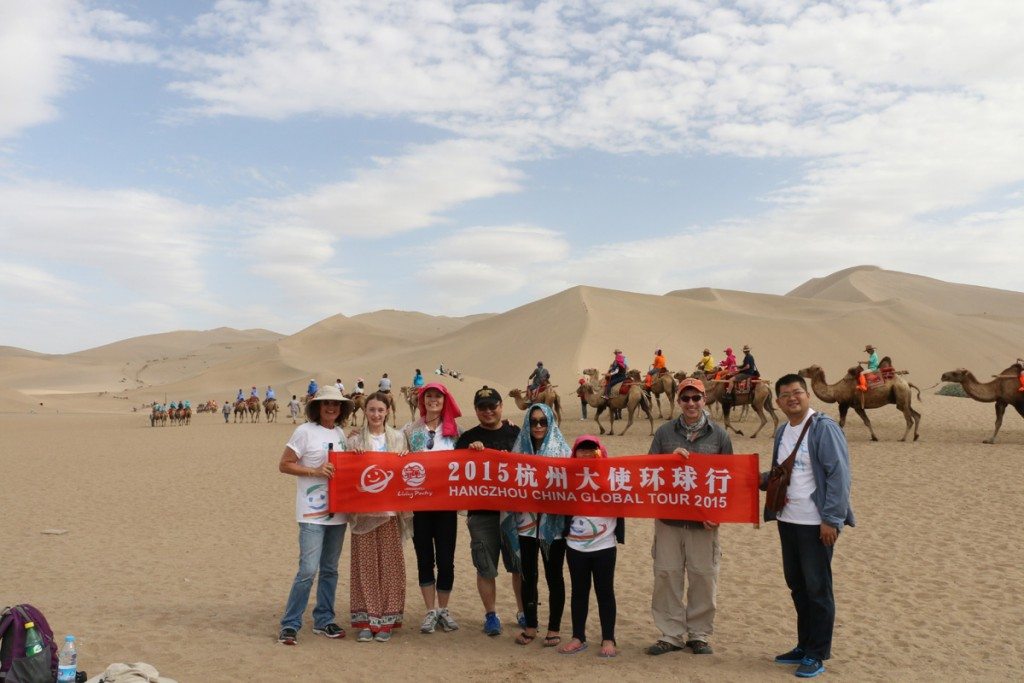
375, 479
414, 474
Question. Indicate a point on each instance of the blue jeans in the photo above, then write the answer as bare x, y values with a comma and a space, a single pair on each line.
807, 566
319, 548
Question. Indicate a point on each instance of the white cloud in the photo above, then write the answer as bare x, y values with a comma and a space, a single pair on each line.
405, 192
130, 238
38, 43
24, 282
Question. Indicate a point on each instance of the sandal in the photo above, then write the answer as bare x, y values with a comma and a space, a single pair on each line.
608, 651
524, 638
565, 649
551, 641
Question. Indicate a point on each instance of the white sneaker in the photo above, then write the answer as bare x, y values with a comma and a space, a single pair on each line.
446, 621
429, 622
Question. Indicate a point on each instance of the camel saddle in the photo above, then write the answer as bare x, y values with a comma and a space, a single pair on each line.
743, 386
874, 379
531, 395
625, 385
888, 372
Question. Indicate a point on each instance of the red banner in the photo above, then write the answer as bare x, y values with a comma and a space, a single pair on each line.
716, 488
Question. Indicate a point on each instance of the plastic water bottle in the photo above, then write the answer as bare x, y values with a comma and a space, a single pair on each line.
33, 642
67, 661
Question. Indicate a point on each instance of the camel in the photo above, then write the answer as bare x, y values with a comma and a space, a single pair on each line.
157, 416
593, 393
270, 408
548, 396
664, 383
252, 404
185, 415
412, 398
759, 397
358, 403
845, 393
1004, 391
241, 410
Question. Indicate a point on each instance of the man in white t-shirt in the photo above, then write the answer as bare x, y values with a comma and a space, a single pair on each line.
817, 507
384, 384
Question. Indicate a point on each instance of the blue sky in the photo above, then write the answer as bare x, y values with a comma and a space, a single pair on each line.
266, 164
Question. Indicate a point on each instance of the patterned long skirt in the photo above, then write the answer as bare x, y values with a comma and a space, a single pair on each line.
377, 578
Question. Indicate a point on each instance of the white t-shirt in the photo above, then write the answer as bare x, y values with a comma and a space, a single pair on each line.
379, 442
526, 524
799, 508
309, 442
587, 534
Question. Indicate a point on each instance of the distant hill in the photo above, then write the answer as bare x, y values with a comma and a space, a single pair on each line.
926, 325
872, 284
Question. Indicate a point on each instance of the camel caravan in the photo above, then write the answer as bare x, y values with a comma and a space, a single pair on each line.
1005, 389
174, 413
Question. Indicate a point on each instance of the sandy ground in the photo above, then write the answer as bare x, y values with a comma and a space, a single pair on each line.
181, 546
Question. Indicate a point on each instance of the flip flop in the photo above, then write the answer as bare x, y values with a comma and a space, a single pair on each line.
581, 648
608, 655
552, 641
524, 639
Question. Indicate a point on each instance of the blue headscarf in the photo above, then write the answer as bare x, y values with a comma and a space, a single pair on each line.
554, 445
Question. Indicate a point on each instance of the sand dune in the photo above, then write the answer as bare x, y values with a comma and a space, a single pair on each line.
926, 325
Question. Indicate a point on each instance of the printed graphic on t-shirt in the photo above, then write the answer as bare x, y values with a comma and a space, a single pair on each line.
316, 502
526, 524
586, 532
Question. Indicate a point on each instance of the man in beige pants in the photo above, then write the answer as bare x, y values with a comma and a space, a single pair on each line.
686, 551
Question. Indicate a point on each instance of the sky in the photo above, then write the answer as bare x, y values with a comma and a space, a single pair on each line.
191, 165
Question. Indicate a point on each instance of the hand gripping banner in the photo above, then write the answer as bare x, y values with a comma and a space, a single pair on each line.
715, 488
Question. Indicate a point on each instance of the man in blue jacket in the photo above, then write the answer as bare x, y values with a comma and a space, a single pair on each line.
817, 507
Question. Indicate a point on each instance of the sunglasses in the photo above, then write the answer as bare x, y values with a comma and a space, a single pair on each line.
542, 422
690, 398
485, 407
430, 439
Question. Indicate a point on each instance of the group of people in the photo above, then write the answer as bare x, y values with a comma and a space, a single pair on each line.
687, 554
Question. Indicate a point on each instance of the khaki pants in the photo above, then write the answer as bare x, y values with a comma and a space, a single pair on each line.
681, 554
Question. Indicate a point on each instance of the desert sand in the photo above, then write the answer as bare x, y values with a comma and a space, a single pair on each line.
181, 542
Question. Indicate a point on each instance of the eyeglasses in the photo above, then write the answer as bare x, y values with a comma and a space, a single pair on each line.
542, 422
690, 398
430, 439
791, 394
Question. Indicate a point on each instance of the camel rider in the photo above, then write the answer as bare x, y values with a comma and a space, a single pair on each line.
538, 378
338, 383
706, 364
1020, 375
240, 397
440, 369
616, 373
657, 367
872, 366
728, 366
384, 385
270, 394
312, 389
254, 393
747, 369
187, 405
360, 389
417, 380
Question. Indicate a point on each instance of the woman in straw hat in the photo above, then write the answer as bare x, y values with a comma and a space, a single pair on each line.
321, 532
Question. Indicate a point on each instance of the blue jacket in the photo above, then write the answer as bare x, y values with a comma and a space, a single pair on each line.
830, 464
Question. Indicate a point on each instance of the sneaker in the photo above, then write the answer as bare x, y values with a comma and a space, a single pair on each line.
794, 656
661, 647
447, 622
492, 624
699, 647
330, 631
365, 636
429, 622
288, 636
382, 636
810, 667
521, 619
